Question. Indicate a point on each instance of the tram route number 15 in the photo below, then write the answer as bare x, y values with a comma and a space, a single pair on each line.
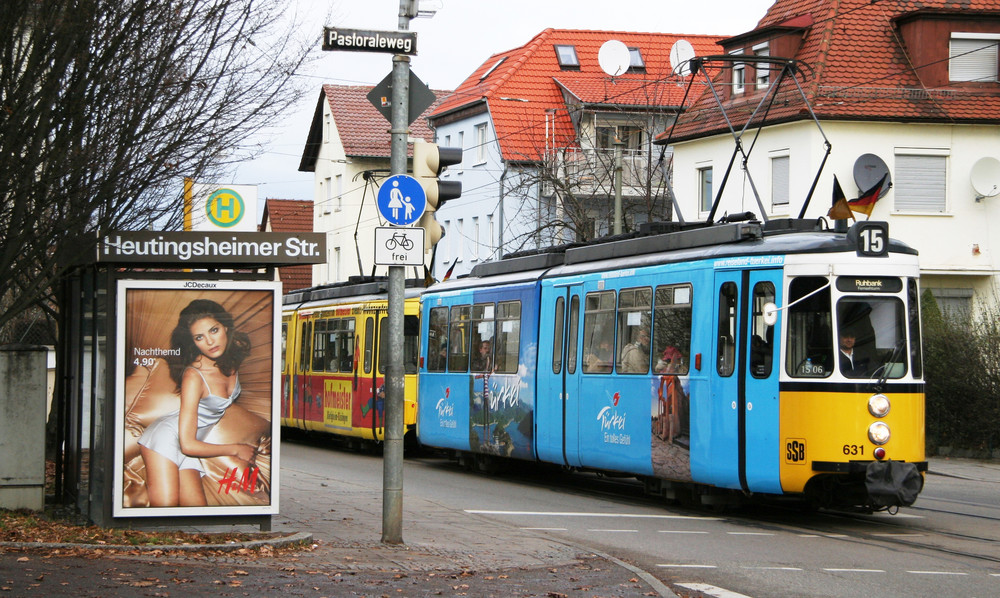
795, 450
871, 238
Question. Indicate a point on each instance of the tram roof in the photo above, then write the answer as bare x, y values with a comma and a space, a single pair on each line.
777, 237
357, 288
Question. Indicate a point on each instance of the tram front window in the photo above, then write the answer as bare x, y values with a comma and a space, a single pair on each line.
871, 333
810, 333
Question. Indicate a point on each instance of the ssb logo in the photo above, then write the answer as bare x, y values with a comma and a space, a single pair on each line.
225, 208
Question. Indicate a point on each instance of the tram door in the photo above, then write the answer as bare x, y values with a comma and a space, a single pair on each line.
557, 435
743, 409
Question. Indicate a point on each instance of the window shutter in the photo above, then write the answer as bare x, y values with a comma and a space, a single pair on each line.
779, 181
919, 183
973, 60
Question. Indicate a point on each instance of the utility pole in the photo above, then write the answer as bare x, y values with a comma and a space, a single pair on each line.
618, 185
392, 453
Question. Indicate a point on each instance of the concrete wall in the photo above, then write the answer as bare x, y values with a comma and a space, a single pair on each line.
23, 401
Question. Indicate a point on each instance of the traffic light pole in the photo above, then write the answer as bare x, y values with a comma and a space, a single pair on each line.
392, 454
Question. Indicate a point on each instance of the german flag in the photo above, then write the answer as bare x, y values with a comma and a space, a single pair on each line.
840, 210
866, 202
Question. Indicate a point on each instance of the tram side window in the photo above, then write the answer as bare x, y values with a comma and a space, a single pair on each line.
437, 340
305, 338
599, 332
574, 328
913, 298
284, 345
458, 339
672, 329
762, 335
809, 352
483, 332
344, 345
559, 324
369, 343
725, 362
634, 316
319, 346
508, 337
411, 344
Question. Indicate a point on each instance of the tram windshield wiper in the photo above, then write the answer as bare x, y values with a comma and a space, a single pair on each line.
886, 367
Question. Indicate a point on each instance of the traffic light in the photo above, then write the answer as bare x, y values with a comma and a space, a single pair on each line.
429, 161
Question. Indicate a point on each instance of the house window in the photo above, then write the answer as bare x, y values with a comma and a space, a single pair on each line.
328, 199
973, 57
739, 75
763, 69
630, 136
475, 238
327, 122
566, 55
338, 203
920, 182
955, 304
779, 181
636, 63
481, 143
460, 239
447, 140
705, 188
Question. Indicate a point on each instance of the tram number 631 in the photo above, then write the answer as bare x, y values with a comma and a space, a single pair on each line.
795, 450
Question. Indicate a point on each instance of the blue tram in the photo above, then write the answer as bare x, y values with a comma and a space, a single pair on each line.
713, 363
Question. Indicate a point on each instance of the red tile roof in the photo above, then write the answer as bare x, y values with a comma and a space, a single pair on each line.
522, 92
855, 65
290, 216
363, 130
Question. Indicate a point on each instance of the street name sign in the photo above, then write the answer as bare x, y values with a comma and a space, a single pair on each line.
364, 40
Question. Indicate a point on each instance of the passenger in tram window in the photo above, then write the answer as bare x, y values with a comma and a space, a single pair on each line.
483, 361
635, 355
671, 362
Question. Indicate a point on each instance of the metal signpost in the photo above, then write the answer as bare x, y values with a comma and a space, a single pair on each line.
401, 201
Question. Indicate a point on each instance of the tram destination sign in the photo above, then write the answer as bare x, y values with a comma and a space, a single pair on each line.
363, 40
190, 248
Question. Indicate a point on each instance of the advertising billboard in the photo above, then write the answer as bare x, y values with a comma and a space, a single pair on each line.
196, 398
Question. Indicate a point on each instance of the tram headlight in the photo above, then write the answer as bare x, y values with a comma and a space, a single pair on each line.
878, 433
878, 405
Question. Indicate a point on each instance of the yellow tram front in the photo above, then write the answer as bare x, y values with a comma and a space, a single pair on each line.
851, 390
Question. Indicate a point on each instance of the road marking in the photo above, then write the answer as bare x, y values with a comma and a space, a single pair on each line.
615, 531
774, 568
545, 529
671, 531
679, 566
833, 570
704, 588
572, 514
937, 572
750, 533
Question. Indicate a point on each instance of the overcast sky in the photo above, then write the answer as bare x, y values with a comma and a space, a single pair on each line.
452, 44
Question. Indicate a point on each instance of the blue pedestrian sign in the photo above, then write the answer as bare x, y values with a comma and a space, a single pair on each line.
401, 200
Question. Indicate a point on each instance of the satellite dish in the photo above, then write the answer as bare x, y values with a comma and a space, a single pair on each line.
680, 57
986, 177
868, 170
614, 57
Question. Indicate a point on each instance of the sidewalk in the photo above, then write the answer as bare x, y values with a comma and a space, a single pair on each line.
966, 469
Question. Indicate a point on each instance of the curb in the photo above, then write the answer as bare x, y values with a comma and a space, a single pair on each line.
280, 542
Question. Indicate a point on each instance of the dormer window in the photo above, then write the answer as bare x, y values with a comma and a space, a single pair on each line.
762, 69
739, 74
973, 57
636, 64
566, 55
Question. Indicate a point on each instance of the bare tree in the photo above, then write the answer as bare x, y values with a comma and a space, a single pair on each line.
569, 195
106, 105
